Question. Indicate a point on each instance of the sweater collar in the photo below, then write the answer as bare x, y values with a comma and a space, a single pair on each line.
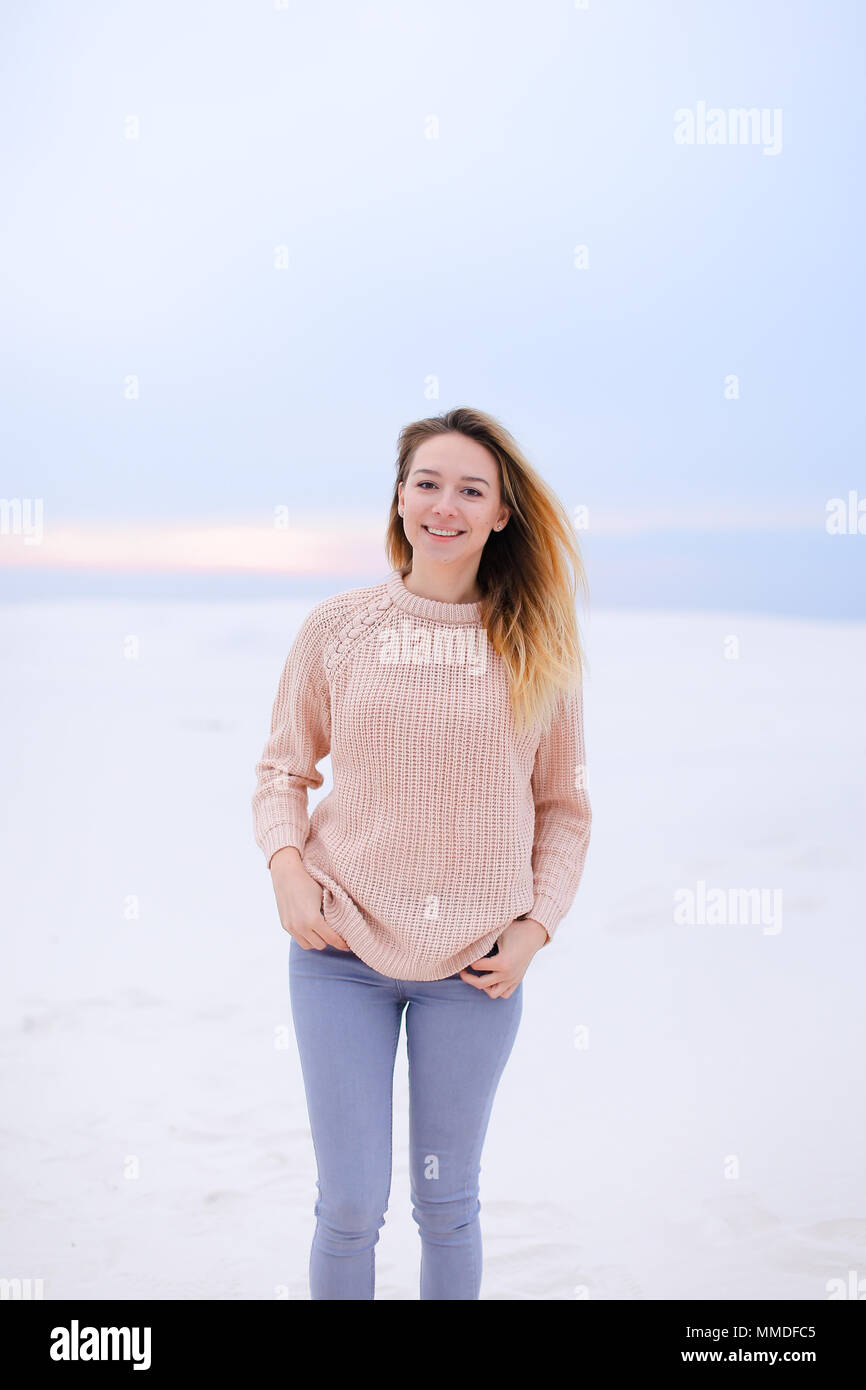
430, 608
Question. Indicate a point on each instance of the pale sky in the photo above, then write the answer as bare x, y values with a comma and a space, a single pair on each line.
243, 245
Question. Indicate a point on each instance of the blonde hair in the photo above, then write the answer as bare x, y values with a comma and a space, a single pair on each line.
528, 592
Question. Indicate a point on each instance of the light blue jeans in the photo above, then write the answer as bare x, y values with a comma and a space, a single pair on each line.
347, 1024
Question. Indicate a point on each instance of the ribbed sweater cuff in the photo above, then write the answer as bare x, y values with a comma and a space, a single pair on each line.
548, 913
280, 837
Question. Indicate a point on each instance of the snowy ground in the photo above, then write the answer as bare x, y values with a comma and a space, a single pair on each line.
705, 1140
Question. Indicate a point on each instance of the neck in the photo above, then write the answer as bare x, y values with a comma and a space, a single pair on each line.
443, 583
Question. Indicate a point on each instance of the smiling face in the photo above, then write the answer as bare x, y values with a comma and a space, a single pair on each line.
453, 486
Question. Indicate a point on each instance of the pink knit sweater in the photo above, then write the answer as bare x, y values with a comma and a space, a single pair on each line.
444, 824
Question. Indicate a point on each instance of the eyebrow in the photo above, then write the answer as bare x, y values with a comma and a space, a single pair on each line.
467, 477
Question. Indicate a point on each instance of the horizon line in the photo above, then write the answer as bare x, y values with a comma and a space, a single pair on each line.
314, 545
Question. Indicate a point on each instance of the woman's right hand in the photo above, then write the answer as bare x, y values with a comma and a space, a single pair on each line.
299, 903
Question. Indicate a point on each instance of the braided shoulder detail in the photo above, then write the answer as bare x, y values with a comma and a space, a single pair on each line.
361, 621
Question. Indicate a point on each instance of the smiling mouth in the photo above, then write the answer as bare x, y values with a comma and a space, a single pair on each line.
449, 534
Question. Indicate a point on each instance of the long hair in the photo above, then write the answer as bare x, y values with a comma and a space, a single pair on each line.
528, 591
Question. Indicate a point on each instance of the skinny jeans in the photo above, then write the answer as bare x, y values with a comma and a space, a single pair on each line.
346, 1018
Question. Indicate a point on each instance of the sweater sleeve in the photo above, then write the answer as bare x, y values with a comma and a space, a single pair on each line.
562, 814
299, 739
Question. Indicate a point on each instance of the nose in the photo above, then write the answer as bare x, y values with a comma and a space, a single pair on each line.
444, 508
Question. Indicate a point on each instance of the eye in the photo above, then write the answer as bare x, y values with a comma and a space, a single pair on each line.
428, 482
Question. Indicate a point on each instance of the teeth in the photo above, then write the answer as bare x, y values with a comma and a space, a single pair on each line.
434, 532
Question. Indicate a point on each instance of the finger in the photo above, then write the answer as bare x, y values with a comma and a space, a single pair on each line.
337, 940
318, 940
329, 937
334, 937
487, 985
309, 943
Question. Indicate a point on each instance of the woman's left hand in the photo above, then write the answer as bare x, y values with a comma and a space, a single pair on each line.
503, 972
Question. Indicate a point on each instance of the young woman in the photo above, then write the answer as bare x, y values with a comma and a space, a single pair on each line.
451, 845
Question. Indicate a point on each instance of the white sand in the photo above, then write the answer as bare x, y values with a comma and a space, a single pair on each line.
165, 1038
